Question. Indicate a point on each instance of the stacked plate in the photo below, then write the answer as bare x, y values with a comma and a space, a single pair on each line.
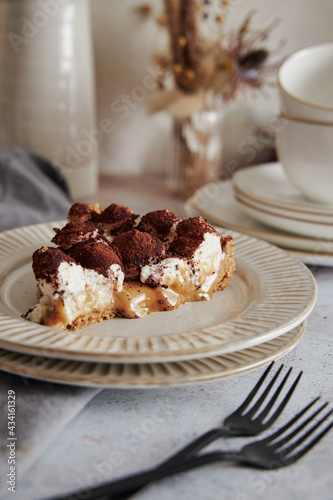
260, 316
260, 201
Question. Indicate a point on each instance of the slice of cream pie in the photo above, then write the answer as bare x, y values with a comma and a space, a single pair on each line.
112, 262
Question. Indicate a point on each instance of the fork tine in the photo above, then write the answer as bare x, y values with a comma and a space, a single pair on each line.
283, 403
293, 433
255, 389
290, 423
262, 398
301, 439
310, 445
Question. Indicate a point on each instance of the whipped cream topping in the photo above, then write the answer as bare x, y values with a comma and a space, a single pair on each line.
199, 272
79, 291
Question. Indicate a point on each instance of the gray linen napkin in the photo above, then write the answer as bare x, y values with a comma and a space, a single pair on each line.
43, 410
31, 191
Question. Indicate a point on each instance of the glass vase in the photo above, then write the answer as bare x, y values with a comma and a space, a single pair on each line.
195, 155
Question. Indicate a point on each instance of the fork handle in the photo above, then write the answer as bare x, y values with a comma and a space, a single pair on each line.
181, 456
197, 444
177, 463
127, 486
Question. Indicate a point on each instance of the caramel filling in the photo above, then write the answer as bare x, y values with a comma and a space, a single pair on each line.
136, 300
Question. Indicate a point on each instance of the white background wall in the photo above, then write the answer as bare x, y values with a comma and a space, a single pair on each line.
123, 43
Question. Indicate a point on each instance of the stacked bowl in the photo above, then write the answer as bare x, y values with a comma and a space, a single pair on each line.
305, 140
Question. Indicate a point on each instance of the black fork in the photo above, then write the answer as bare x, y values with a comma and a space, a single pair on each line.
284, 447
277, 450
245, 421
250, 418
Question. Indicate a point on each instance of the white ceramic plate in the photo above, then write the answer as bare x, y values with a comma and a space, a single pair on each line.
313, 259
309, 258
216, 202
145, 375
307, 217
283, 221
269, 294
268, 184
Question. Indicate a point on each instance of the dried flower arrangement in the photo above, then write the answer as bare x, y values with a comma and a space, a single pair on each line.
203, 68
203, 62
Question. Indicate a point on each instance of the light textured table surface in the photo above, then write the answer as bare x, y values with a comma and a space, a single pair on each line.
141, 193
124, 431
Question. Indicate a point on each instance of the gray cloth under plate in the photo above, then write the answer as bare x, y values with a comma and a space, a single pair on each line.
32, 191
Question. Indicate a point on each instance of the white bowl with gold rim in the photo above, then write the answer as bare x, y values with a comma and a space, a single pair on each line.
306, 81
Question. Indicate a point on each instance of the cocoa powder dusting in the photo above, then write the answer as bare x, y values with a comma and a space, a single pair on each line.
115, 213
138, 249
190, 234
83, 211
97, 256
73, 233
46, 261
158, 223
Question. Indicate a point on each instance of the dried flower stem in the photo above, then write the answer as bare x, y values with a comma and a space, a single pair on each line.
183, 32
189, 30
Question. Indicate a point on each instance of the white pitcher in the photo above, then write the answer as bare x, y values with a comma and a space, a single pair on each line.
47, 101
